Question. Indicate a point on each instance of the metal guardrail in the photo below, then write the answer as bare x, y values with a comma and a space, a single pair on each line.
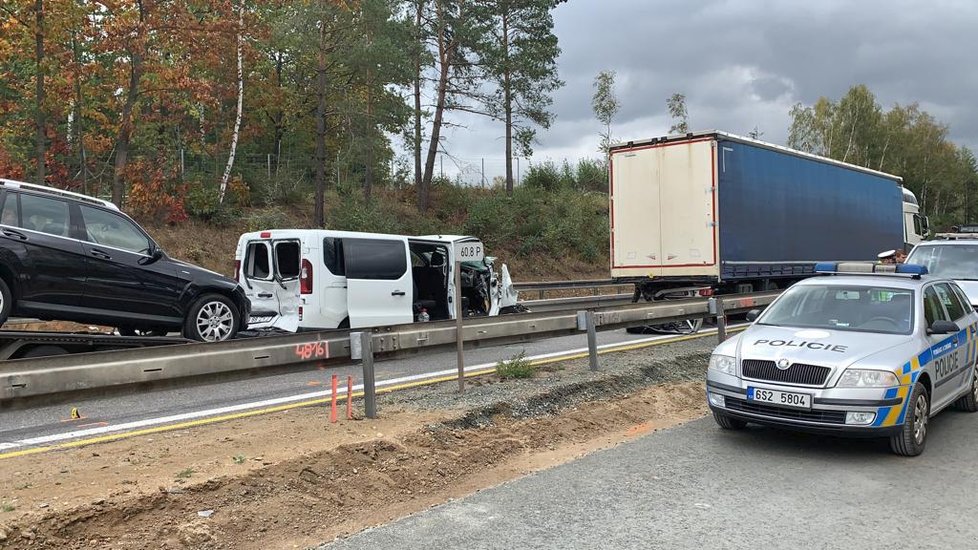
578, 302
542, 287
80, 372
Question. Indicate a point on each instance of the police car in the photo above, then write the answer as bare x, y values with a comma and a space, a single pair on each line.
868, 350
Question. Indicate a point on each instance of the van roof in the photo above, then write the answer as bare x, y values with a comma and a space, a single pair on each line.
319, 233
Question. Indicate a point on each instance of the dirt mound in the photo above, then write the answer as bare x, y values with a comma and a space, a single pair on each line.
304, 500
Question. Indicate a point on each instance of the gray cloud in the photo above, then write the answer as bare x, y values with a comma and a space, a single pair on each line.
743, 63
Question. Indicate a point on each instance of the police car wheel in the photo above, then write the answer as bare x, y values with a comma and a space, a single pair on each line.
912, 437
969, 402
729, 422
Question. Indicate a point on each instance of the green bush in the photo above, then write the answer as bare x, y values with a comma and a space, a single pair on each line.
516, 367
592, 175
268, 218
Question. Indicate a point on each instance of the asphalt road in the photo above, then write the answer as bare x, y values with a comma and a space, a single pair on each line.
106, 412
697, 487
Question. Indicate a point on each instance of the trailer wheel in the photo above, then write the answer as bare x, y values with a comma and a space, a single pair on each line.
44, 351
6, 302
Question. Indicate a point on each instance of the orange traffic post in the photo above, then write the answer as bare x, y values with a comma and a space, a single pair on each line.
332, 411
349, 398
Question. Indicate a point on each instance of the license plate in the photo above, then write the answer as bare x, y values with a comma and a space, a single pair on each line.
780, 398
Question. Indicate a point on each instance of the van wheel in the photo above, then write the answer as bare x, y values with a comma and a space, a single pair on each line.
969, 402
212, 318
912, 437
6, 302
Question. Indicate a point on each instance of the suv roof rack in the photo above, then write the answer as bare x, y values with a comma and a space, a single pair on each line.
913, 271
56, 191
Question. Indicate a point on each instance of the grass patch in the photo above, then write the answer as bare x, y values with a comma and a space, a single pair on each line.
7, 507
515, 367
185, 474
238, 459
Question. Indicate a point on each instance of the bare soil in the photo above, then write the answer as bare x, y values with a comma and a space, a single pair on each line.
293, 480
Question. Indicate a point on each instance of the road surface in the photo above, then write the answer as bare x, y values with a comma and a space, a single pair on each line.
697, 487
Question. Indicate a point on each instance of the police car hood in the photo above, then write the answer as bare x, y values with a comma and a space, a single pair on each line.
822, 347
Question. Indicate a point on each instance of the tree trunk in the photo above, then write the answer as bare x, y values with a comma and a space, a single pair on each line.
79, 112
444, 66
279, 117
319, 215
39, 122
508, 105
237, 119
125, 124
417, 94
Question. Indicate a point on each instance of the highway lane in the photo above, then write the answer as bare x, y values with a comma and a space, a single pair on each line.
52, 424
699, 488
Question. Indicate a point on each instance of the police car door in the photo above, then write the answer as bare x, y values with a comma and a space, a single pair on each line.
940, 303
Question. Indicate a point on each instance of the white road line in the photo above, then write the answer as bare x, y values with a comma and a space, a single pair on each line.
183, 417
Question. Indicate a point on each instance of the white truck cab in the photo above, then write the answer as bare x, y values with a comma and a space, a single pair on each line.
314, 279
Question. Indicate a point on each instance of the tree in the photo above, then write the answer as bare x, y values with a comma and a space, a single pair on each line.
37, 29
755, 133
237, 119
677, 110
605, 105
520, 57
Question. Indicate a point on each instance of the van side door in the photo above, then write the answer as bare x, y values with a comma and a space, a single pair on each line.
380, 287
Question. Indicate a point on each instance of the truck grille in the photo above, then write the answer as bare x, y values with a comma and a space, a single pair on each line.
809, 375
813, 415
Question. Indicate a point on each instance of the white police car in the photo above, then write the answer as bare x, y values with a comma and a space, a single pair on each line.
870, 350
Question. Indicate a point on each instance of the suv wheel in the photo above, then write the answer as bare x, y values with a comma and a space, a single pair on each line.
912, 437
6, 302
212, 318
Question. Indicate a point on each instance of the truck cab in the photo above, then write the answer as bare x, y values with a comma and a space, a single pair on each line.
915, 226
312, 279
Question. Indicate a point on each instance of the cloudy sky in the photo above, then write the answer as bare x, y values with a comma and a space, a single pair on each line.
744, 63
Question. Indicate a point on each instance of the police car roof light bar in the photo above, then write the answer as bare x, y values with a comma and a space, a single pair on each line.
866, 268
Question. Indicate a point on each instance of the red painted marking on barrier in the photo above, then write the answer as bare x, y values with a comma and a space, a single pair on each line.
332, 410
349, 398
312, 350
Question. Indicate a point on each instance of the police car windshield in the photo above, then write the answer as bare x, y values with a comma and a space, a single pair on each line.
953, 261
850, 308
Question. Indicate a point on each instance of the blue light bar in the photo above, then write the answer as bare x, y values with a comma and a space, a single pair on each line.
825, 267
912, 269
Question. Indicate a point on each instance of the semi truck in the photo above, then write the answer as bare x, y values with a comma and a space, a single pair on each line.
714, 213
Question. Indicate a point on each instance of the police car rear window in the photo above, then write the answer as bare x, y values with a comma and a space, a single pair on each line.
854, 308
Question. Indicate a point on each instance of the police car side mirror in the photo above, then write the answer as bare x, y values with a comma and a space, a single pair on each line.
752, 315
943, 327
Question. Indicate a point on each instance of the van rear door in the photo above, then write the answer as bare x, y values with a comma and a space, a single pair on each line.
272, 302
380, 287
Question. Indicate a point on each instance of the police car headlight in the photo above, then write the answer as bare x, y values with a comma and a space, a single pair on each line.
724, 364
864, 378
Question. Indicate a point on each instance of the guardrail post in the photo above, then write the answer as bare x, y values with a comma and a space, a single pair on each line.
717, 307
585, 321
369, 387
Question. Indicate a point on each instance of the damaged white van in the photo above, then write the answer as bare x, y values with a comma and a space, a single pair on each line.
315, 279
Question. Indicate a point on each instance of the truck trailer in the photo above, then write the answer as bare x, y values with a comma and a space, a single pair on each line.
712, 212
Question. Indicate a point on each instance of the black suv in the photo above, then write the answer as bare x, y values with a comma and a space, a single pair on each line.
70, 257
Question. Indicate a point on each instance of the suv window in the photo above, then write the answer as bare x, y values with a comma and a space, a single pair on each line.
950, 301
933, 311
43, 214
257, 265
374, 259
10, 216
113, 230
333, 256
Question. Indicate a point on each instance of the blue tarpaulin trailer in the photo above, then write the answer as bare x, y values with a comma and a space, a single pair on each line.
740, 214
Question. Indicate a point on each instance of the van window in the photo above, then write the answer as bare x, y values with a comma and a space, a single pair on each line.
374, 259
333, 256
287, 259
257, 265
43, 214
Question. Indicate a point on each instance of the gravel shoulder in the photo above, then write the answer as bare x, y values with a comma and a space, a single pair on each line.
292, 479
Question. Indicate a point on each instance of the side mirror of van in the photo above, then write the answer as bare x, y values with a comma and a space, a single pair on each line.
943, 327
752, 315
